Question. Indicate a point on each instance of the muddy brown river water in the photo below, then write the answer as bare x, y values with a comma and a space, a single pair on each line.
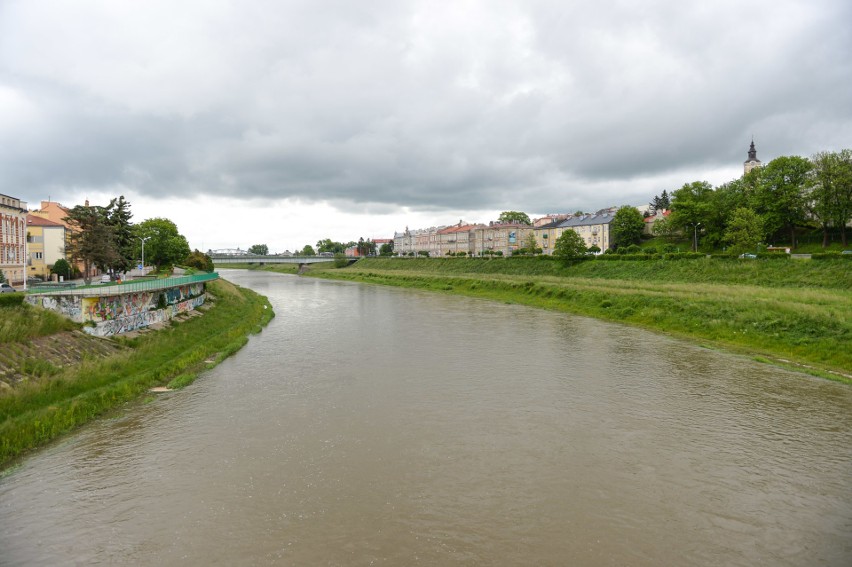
369, 425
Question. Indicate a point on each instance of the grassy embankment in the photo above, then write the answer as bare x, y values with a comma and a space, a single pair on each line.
41, 409
794, 313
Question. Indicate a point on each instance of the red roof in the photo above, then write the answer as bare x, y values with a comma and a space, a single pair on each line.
457, 228
34, 220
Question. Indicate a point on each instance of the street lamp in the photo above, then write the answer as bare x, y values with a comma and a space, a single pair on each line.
143, 252
695, 236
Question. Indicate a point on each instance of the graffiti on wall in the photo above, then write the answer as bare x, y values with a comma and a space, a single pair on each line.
134, 321
117, 314
68, 305
114, 307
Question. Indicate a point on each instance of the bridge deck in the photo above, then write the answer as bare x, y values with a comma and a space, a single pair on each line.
220, 259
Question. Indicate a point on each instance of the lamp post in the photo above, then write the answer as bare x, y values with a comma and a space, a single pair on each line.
695, 236
143, 252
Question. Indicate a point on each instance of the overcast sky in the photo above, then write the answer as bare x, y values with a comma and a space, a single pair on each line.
283, 122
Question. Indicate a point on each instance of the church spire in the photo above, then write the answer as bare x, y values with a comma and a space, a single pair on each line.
752, 160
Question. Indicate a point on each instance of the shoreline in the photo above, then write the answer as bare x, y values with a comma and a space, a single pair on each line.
45, 408
798, 329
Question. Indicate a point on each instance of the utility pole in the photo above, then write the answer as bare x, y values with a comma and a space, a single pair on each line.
143, 252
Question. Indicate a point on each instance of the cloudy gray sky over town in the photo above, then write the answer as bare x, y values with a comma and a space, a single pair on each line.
289, 121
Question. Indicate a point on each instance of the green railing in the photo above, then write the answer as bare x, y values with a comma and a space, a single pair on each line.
126, 287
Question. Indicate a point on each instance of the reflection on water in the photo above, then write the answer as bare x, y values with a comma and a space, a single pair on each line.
370, 425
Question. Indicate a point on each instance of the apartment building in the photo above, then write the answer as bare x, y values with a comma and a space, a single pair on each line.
413, 241
593, 228
46, 245
13, 239
505, 238
455, 239
546, 233
57, 212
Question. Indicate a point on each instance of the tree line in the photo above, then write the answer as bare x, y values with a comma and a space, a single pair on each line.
327, 245
106, 238
774, 203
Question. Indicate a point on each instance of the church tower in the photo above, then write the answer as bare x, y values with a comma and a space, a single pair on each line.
752, 160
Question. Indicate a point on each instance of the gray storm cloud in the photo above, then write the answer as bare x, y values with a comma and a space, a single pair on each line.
412, 104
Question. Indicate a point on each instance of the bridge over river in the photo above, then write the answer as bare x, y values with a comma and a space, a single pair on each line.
221, 259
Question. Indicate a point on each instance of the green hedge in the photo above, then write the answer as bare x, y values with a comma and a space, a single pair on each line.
831, 256
11, 299
649, 257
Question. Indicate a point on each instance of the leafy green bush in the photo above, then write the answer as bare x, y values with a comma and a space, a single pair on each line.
11, 299
340, 260
831, 256
199, 260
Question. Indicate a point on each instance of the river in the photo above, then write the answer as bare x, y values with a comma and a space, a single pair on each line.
369, 425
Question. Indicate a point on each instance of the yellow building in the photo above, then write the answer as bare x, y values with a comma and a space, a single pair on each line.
46, 245
593, 228
57, 212
505, 238
546, 234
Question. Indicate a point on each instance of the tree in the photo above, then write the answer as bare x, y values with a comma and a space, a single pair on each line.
663, 227
745, 230
164, 246
259, 249
91, 239
514, 216
308, 251
118, 216
529, 246
724, 200
386, 249
328, 245
627, 226
779, 198
199, 260
61, 268
660, 202
692, 207
829, 198
366, 247
691, 204
570, 246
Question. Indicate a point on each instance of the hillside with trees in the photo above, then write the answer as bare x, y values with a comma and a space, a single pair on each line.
776, 203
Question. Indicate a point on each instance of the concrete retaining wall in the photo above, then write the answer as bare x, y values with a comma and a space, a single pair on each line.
123, 312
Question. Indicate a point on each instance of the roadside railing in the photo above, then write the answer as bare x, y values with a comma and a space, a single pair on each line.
124, 287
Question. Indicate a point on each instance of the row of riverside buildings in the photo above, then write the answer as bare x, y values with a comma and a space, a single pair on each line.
31, 241
505, 238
